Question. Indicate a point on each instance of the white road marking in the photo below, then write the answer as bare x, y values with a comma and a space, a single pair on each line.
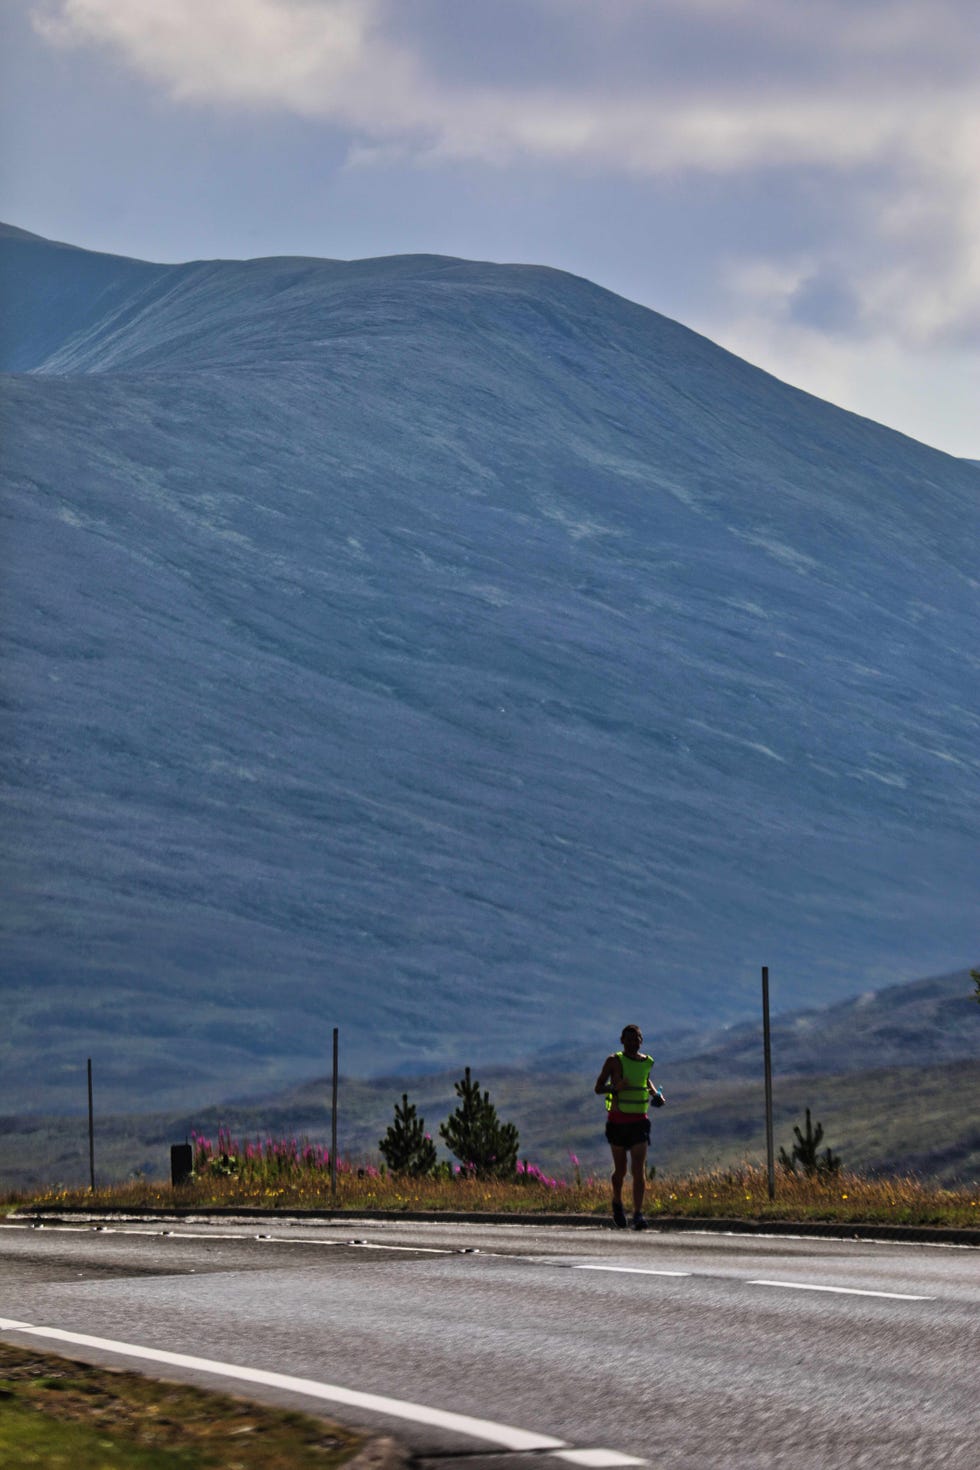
422, 1250
449, 1251
896, 1296
631, 1270
595, 1459
506, 1435
241, 1237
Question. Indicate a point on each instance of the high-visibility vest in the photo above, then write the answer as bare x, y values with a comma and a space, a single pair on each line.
635, 1096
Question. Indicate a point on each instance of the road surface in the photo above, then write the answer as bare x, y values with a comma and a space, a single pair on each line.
512, 1346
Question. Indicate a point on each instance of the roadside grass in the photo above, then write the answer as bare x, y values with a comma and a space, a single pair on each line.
13, 1200
286, 1174
58, 1413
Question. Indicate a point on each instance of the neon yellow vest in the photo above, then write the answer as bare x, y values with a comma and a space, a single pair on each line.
635, 1096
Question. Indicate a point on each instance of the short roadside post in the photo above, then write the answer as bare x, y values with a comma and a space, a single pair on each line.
767, 1050
91, 1132
333, 1120
181, 1164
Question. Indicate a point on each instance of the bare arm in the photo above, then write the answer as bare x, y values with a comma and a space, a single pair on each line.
610, 1079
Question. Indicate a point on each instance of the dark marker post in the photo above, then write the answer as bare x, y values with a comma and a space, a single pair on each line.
91, 1132
333, 1121
767, 1048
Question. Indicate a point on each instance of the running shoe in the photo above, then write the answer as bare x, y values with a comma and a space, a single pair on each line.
619, 1215
639, 1222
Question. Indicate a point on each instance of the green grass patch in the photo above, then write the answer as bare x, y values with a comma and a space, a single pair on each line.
54, 1412
28, 1438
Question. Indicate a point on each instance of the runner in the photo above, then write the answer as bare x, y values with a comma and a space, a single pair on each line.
625, 1079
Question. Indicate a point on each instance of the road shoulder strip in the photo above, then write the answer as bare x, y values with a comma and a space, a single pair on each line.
802, 1229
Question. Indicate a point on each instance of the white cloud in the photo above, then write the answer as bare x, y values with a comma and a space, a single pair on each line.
334, 59
879, 95
287, 54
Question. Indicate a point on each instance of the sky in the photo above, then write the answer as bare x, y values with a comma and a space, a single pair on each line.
797, 179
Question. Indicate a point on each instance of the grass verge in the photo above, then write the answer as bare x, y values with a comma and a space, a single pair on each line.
734, 1193
55, 1412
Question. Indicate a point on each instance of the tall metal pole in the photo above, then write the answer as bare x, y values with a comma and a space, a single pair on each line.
767, 1048
333, 1120
91, 1132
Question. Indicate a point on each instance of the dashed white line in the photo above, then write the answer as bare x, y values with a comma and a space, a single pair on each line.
506, 1435
630, 1270
895, 1296
451, 1251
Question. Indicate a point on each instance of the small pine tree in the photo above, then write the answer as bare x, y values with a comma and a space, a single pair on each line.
406, 1146
476, 1135
806, 1152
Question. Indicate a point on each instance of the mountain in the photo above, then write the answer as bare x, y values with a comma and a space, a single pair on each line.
925, 1023
893, 1075
454, 653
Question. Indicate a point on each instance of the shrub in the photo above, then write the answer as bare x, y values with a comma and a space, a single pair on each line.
805, 1152
406, 1147
484, 1146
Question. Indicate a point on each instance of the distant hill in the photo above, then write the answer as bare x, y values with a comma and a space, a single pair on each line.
453, 652
922, 1024
893, 1076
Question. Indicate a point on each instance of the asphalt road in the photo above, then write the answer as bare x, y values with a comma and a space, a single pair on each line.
582, 1346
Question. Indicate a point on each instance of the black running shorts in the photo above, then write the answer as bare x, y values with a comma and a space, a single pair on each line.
628, 1135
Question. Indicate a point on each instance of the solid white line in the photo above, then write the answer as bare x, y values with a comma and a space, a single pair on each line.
486, 1429
361, 1245
595, 1459
242, 1237
632, 1270
422, 1250
895, 1296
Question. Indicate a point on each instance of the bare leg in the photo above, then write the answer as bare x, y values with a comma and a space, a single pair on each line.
618, 1173
638, 1169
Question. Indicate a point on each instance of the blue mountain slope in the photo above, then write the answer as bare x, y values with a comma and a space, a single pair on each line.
456, 653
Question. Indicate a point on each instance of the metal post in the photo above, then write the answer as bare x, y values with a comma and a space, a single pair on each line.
91, 1132
767, 1048
333, 1121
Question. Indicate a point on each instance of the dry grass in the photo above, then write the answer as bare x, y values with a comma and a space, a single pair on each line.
732, 1193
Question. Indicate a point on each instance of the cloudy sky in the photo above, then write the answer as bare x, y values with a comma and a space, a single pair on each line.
797, 179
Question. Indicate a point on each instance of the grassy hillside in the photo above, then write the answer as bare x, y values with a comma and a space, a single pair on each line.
890, 1120
894, 1076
